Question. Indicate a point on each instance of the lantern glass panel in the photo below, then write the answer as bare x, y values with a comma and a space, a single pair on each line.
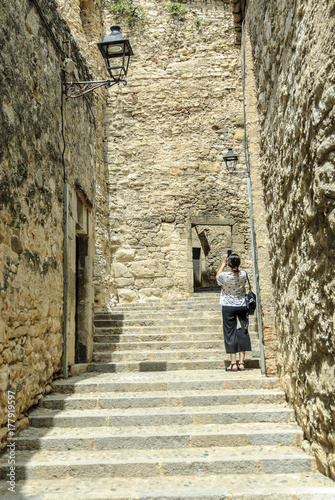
114, 49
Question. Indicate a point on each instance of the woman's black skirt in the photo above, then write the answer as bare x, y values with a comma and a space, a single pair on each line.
236, 339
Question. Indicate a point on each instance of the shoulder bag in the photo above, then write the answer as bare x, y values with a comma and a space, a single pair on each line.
250, 299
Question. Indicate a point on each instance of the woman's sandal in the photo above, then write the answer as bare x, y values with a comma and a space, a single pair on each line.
241, 369
230, 368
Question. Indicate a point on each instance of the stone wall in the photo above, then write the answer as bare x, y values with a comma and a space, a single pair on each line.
31, 196
293, 52
166, 134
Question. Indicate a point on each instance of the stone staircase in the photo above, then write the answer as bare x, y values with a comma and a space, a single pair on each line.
156, 416
185, 335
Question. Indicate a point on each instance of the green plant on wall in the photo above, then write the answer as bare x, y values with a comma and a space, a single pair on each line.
132, 11
176, 9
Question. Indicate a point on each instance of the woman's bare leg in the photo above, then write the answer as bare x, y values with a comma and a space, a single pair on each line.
241, 360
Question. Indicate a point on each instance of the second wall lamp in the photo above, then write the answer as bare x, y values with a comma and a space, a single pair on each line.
116, 52
230, 160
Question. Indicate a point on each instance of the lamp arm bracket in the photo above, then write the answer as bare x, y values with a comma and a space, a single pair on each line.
72, 90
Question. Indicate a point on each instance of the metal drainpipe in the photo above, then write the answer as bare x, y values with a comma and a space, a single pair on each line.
66, 279
252, 224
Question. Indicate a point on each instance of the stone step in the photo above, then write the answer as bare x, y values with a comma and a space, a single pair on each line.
191, 302
162, 356
105, 344
190, 308
160, 437
159, 316
160, 330
190, 461
164, 328
179, 345
207, 312
107, 337
162, 399
158, 366
135, 336
169, 303
211, 312
199, 415
175, 318
165, 381
288, 486
162, 321
160, 345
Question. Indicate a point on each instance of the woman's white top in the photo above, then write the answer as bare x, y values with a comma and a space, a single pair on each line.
232, 288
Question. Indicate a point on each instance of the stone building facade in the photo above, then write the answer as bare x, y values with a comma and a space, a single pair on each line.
173, 207
292, 52
84, 18
47, 147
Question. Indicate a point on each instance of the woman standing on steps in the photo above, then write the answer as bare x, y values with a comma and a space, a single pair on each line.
232, 300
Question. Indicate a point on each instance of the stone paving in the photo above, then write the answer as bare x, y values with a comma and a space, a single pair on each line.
174, 434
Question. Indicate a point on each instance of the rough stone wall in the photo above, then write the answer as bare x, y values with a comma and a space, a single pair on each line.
293, 51
31, 196
166, 134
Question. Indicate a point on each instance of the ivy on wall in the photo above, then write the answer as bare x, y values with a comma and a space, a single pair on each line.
133, 12
129, 9
177, 10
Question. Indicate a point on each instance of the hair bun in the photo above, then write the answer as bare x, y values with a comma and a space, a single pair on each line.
234, 262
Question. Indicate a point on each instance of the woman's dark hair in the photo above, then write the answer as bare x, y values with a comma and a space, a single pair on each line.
234, 262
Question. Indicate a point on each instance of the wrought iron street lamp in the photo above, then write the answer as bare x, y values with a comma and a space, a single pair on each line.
112, 48
116, 52
230, 160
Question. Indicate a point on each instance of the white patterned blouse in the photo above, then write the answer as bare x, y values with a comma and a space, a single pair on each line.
232, 288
